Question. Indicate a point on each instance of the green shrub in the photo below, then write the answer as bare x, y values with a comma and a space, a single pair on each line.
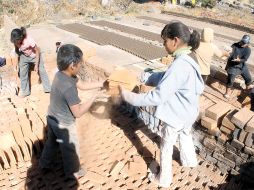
208, 3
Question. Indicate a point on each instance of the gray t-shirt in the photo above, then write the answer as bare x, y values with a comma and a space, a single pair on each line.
63, 94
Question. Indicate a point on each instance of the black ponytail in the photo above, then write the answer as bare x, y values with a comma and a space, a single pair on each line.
194, 40
180, 30
18, 34
23, 30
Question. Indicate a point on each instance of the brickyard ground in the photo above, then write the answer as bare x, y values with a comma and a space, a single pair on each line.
116, 148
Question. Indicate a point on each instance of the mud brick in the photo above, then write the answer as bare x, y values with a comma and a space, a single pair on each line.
208, 123
116, 168
230, 155
236, 133
250, 126
234, 172
211, 125
92, 176
218, 111
251, 159
223, 167
226, 130
249, 139
242, 136
226, 121
131, 151
211, 159
237, 144
241, 118
223, 159
209, 143
249, 150
135, 168
244, 156
222, 139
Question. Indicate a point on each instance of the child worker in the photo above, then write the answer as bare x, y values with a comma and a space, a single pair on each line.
64, 107
28, 55
176, 98
206, 50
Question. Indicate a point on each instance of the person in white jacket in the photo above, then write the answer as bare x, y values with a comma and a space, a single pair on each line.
176, 98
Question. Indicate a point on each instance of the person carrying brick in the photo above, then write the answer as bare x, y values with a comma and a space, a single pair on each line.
236, 64
206, 50
176, 98
28, 55
65, 106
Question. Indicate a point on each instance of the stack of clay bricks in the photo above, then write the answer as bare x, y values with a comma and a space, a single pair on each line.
214, 117
233, 147
22, 132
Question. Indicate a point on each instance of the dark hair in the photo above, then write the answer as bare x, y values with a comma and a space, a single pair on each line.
180, 30
68, 54
18, 34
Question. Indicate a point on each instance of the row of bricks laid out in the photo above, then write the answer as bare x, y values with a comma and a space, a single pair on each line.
21, 130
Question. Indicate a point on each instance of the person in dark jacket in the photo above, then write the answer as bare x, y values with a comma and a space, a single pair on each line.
236, 64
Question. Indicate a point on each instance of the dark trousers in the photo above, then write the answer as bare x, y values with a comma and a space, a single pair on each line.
204, 77
65, 138
245, 73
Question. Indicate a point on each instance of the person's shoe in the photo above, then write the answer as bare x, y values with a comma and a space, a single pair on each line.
22, 96
80, 173
154, 179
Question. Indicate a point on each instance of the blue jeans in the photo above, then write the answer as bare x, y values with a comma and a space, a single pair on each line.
24, 66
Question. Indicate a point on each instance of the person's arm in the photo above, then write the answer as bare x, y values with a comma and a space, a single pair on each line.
37, 59
244, 58
168, 85
219, 53
80, 109
88, 85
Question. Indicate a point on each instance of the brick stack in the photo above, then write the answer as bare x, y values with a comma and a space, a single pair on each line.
234, 146
17, 132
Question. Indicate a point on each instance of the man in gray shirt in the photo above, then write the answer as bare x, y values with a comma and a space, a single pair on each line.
63, 110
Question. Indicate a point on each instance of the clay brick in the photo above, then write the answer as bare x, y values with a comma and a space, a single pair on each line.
230, 155
241, 118
249, 150
242, 136
223, 159
92, 176
250, 126
218, 111
226, 121
211, 125
6, 164
223, 167
211, 159
209, 143
222, 138
236, 133
124, 78
131, 151
249, 139
17, 133
225, 130
116, 168
208, 123
136, 168
235, 143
